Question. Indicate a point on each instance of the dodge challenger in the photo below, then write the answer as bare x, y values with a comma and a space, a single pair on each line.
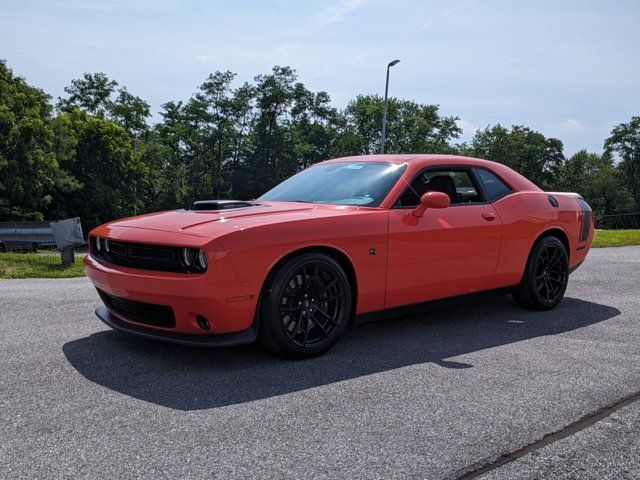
347, 239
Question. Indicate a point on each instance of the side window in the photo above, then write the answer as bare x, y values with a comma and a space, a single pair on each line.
457, 183
494, 188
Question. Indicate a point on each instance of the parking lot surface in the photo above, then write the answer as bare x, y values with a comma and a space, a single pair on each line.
436, 395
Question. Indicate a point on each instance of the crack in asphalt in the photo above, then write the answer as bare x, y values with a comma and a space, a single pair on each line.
481, 468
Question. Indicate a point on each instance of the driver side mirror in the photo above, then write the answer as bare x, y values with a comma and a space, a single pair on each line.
431, 200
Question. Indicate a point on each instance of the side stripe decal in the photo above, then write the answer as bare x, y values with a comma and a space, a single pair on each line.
586, 220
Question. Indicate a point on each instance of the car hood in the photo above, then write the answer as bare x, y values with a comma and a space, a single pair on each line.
214, 223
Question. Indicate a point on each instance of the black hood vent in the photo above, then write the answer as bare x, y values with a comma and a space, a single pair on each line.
220, 204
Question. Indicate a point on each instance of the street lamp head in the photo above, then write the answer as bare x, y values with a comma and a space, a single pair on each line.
391, 64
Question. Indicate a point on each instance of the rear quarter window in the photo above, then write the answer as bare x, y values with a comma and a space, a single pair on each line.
493, 187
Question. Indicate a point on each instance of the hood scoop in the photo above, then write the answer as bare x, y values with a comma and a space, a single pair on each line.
220, 204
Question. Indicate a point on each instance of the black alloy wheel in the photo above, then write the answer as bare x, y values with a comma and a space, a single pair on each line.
306, 306
551, 272
547, 274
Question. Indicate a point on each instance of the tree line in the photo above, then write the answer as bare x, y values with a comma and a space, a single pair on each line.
95, 154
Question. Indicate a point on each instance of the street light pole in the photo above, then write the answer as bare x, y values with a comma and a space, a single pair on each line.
384, 112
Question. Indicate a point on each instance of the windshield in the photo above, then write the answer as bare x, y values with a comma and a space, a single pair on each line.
340, 183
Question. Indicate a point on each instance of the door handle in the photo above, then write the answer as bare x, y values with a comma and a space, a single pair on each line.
488, 216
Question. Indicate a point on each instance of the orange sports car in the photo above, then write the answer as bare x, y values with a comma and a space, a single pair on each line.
350, 238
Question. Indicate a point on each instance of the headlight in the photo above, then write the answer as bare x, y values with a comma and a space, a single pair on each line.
187, 256
194, 259
202, 259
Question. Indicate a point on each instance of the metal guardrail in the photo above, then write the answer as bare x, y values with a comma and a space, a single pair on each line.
30, 236
25, 236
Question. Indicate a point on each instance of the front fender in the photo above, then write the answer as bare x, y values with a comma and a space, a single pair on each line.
361, 237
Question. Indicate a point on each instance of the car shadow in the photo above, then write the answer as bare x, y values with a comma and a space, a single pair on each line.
187, 378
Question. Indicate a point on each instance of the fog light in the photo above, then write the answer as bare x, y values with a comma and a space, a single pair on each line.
203, 323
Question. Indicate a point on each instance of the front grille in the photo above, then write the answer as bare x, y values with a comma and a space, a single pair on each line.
139, 255
140, 312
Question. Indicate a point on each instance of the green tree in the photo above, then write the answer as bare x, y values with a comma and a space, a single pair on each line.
598, 180
309, 137
172, 132
92, 93
411, 128
100, 157
154, 184
95, 97
267, 161
526, 151
131, 112
215, 98
96, 94
625, 142
30, 171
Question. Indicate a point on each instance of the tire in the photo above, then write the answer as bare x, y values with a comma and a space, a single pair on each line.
546, 276
305, 307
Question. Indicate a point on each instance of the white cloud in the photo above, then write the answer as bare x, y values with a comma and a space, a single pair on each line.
572, 124
336, 13
202, 56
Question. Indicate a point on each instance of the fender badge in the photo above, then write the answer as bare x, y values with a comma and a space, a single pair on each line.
372, 251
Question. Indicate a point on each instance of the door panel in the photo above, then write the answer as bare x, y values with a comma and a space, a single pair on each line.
447, 252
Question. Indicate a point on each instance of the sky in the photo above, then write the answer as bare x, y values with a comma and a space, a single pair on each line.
569, 69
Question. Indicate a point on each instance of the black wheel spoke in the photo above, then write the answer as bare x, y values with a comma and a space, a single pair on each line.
289, 309
328, 317
323, 328
327, 287
296, 325
332, 298
307, 328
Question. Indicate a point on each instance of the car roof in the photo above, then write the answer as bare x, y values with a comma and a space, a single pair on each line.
409, 158
417, 161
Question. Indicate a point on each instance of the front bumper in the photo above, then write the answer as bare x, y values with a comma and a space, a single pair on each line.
220, 340
216, 295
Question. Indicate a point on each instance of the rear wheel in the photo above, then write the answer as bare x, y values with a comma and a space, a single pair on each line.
546, 276
305, 307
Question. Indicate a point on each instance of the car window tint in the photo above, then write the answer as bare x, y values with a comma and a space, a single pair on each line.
494, 187
458, 184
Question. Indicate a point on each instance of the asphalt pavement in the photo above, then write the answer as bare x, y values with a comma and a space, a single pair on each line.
486, 389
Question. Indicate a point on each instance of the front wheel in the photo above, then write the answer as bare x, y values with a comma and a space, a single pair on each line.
546, 276
305, 307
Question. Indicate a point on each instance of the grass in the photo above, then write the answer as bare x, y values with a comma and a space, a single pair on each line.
616, 238
38, 265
